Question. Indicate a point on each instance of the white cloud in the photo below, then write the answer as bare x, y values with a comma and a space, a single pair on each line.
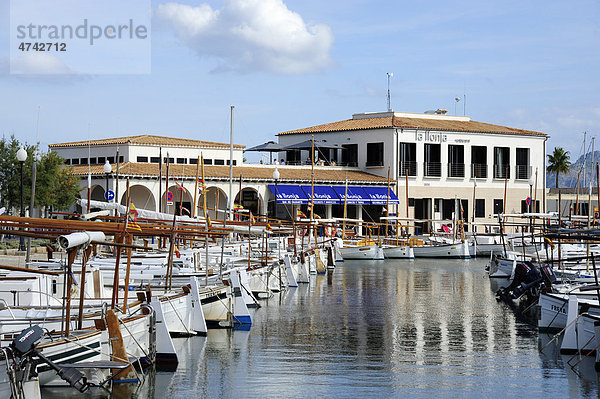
38, 63
249, 35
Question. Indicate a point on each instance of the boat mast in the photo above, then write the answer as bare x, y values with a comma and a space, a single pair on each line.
230, 202
312, 188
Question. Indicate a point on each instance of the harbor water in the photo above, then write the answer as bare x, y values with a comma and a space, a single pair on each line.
421, 328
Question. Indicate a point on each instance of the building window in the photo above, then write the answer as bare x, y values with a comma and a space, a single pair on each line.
234, 162
75, 161
456, 160
333, 156
93, 161
498, 206
142, 159
293, 157
208, 162
535, 207
101, 160
523, 169
480, 208
432, 165
170, 160
501, 163
374, 154
181, 160
121, 159
193, 161
408, 159
155, 159
350, 154
83, 161
67, 162
111, 159
219, 162
479, 162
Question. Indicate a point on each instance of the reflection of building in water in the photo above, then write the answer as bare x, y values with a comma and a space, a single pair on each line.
447, 319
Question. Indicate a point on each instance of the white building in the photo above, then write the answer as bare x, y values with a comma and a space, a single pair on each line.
442, 157
253, 185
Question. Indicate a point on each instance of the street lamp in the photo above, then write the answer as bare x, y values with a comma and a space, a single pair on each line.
21, 157
107, 170
276, 177
531, 183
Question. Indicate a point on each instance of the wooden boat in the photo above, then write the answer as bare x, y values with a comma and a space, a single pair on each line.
363, 249
458, 250
398, 252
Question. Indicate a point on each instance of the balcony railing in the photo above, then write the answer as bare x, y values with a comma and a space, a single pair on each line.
376, 162
408, 166
432, 169
523, 172
501, 172
456, 170
479, 171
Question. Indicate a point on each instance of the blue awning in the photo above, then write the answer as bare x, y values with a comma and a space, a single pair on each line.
287, 194
323, 194
379, 195
356, 195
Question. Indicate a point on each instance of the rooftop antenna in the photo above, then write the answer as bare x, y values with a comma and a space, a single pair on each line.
389, 97
457, 99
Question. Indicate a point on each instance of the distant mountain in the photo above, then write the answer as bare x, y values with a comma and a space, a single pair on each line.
588, 172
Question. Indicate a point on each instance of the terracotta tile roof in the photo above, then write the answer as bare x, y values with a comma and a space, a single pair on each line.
413, 123
287, 173
148, 139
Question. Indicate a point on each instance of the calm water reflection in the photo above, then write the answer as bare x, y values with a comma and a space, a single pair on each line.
381, 329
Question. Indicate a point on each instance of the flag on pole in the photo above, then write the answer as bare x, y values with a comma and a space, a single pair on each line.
300, 214
183, 209
237, 207
252, 219
549, 242
180, 187
132, 218
177, 253
269, 227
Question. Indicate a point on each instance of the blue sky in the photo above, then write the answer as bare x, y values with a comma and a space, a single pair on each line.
530, 65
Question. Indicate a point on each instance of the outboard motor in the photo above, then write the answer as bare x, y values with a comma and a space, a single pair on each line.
527, 277
25, 347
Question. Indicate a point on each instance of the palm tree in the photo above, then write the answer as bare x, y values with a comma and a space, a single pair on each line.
558, 162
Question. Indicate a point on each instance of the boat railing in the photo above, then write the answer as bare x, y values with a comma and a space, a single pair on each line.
16, 296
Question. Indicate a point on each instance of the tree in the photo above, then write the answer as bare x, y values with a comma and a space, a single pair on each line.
10, 173
558, 162
56, 186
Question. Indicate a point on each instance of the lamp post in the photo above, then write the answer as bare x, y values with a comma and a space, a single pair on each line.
107, 170
276, 177
531, 183
21, 157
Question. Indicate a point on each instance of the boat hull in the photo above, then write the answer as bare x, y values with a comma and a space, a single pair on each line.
370, 252
457, 250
